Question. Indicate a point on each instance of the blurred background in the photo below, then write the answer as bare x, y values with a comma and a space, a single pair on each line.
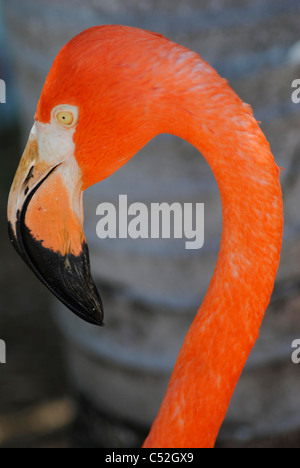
67, 384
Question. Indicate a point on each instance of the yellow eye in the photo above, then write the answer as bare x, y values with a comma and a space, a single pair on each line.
65, 115
65, 118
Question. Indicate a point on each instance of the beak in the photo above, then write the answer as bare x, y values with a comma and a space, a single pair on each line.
45, 224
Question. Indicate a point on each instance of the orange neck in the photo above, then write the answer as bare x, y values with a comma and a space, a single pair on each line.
141, 84
227, 324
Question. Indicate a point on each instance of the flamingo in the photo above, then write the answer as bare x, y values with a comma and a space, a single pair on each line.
110, 90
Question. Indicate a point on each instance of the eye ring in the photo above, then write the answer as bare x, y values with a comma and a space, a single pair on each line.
65, 116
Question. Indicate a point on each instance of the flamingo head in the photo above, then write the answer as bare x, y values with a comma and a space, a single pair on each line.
93, 115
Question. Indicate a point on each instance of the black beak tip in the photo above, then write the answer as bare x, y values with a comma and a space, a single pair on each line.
92, 318
67, 277
90, 314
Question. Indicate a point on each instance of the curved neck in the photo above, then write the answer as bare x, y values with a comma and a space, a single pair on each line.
211, 117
